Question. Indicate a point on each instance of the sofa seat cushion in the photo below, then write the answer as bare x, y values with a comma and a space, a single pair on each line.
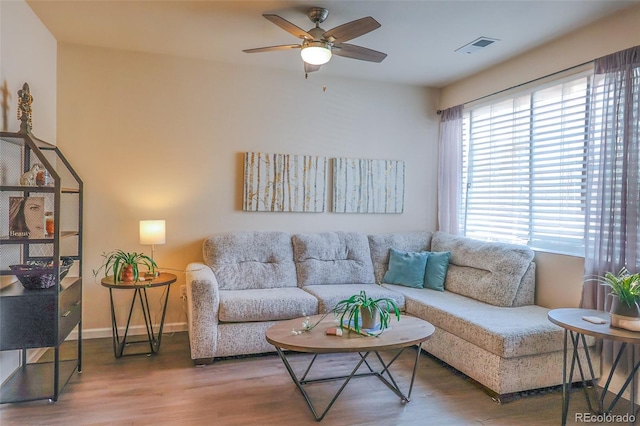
269, 304
329, 295
332, 258
506, 332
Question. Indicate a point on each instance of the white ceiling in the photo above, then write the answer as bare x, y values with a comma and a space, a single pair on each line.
420, 37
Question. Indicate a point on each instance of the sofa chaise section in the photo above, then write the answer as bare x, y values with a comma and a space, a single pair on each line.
487, 325
506, 349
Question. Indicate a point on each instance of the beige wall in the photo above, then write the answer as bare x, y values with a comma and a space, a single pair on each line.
161, 137
27, 54
559, 278
617, 32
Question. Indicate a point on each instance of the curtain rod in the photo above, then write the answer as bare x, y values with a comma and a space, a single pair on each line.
525, 83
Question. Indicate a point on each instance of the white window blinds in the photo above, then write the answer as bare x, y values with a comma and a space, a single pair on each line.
524, 168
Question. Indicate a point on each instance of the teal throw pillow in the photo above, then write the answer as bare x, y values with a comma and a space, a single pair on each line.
406, 268
436, 270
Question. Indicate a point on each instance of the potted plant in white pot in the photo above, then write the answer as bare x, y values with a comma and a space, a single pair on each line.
625, 292
362, 312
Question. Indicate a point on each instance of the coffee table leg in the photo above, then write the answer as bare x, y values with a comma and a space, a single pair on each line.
304, 393
393, 385
304, 376
367, 364
415, 369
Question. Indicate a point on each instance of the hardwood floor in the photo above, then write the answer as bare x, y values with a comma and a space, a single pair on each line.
167, 389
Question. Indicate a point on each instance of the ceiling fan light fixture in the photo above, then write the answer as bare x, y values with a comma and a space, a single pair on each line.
316, 53
317, 44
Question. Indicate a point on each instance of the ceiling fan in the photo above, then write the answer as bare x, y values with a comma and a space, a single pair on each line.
319, 45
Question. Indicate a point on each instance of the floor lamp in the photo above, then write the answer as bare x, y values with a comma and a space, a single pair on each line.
152, 232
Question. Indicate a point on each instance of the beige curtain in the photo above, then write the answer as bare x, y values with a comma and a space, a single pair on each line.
613, 184
450, 169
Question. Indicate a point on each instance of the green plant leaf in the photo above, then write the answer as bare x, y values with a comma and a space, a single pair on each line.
116, 260
625, 285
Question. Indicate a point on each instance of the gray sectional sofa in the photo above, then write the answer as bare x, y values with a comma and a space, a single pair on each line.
487, 325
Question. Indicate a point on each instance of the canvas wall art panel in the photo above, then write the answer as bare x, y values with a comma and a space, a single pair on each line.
284, 183
368, 186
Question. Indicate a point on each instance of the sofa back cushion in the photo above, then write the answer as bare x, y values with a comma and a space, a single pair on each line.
380, 244
332, 258
527, 291
251, 260
487, 271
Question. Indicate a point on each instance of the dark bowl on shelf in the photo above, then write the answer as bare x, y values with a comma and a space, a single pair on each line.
38, 274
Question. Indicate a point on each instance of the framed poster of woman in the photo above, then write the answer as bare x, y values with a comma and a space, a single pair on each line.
26, 217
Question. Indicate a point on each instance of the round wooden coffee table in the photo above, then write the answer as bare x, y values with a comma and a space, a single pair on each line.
407, 332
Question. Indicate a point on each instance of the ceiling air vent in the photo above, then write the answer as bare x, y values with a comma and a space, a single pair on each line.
477, 44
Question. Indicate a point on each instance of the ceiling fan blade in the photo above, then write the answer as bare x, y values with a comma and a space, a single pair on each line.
288, 26
353, 29
358, 52
273, 48
310, 68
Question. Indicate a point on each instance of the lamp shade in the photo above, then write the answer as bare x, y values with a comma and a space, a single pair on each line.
315, 53
152, 232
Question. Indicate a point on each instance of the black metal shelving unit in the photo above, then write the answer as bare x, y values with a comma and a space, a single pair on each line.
44, 318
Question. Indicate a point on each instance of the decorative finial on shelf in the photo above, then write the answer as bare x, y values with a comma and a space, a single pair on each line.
24, 108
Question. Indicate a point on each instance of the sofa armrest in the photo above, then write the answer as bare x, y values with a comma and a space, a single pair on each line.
203, 300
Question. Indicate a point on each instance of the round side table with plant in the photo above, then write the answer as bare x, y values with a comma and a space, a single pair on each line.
123, 271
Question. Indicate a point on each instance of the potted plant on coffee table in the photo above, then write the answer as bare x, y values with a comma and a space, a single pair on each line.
625, 292
362, 312
125, 266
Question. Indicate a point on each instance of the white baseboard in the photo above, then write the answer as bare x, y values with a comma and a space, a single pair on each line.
134, 330
33, 355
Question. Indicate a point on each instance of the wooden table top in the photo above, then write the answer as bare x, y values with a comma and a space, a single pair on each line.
571, 319
164, 278
406, 332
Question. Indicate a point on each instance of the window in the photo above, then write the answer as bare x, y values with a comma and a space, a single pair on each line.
524, 165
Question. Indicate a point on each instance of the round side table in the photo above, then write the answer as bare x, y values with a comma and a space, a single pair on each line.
139, 293
575, 329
